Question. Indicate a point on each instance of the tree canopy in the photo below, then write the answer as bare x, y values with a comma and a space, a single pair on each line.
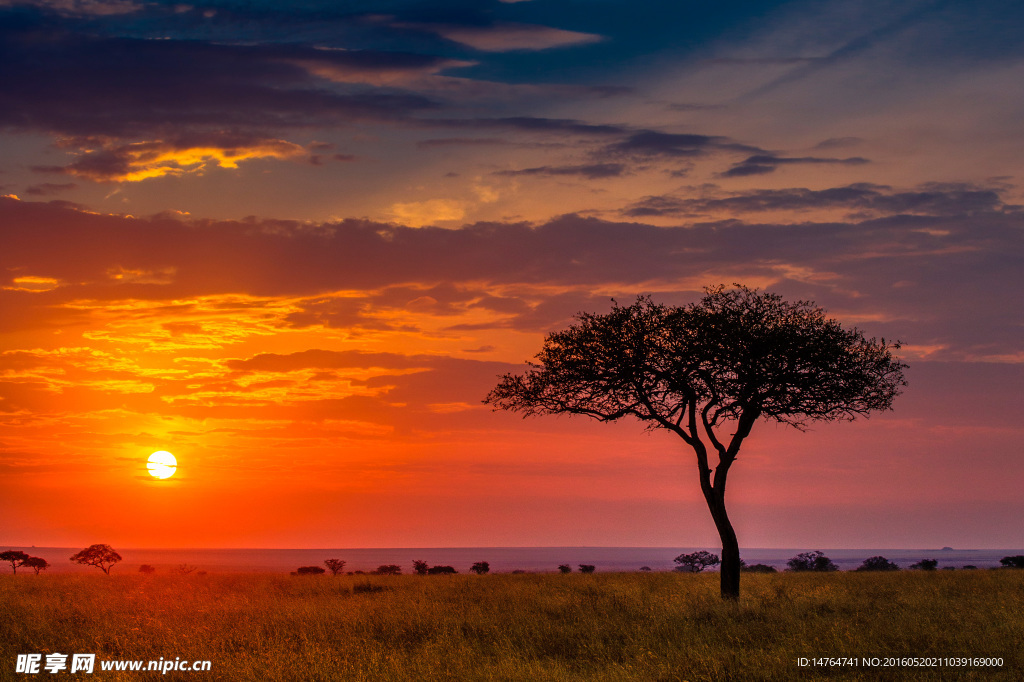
707, 372
16, 558
102, 557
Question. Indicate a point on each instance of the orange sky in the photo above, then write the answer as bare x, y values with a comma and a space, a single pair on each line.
299, 257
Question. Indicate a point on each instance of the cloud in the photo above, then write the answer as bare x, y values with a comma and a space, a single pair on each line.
506, 36
591, 171
81, 7
761, 164
260, 276
649, 143
929, 199
137, 161
429, 212
123, 87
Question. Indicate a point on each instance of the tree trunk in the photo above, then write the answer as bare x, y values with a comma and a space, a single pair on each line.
730, 573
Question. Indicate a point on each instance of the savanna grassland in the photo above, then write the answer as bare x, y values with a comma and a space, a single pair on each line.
616, 626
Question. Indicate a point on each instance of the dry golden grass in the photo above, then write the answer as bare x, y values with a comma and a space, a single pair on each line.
625, 626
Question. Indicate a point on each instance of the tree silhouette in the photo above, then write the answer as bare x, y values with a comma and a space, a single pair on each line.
480, 567
925, 565
564, 568
335, 566
1012, 561
309, 570
388, 569
441, 570
102, 557
420, 567
16, 557
811, 561
878, 563
587, 568
147, 569
703, 370
36, 563
696, 561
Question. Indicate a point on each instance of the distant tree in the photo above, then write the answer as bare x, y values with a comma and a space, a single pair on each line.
309, 570
518, 571
811, 561
970, 567
586, 568
645, 569
480, 567
420, 567
696, 562
146, 568
878, 563
15, 556
441, 570
1012, 561
564, 568
102, 557
185, 569
925, 565
389, 569
708, 372
335, 566
760, 568
36, 563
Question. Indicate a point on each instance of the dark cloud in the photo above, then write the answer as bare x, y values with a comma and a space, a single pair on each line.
534, 276
649, 143
931, 199
761, 164
60, 78
461, 142
49, 188
591, 171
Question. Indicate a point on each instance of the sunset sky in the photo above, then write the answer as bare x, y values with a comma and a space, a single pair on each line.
296, 243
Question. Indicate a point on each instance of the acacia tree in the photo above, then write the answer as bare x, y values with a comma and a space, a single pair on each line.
36, 563
16, 557
335, 566
102, 557
696, 561
707, 372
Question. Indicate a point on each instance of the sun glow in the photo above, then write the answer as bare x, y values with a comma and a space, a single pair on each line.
162, 464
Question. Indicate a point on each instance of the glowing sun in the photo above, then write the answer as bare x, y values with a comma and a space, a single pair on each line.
162, 464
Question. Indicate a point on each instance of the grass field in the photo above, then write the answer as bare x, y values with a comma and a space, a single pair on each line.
621, 626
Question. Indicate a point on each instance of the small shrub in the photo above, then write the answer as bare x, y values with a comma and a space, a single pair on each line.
480, 567
878, 563
811, 561
518, 571
564, 568
420, 567
441, 570
645, 569
970, 567
925, 565
388, 569
309, 570
759, 568
147, 569
586, 568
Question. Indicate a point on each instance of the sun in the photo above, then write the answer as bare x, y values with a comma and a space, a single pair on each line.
162, 464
